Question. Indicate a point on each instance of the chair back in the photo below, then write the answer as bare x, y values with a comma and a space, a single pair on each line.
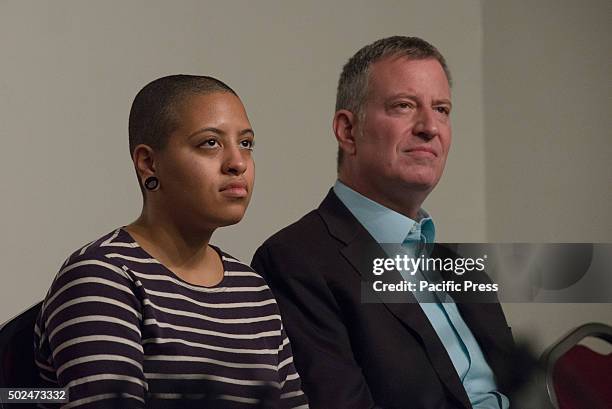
17, 367
577, 377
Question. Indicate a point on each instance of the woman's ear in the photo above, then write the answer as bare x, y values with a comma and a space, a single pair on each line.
144, 162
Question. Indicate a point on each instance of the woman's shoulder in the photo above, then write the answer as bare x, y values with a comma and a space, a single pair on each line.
100, 258
230, 260
117, 242
234, 266
92, 275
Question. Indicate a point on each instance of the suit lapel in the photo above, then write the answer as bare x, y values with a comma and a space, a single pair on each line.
360, 250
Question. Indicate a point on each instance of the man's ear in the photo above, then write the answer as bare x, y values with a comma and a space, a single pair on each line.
344, 130
144, 162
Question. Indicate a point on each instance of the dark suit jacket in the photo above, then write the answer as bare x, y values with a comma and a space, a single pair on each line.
356, 355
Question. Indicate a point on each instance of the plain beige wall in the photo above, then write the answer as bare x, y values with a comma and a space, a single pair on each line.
547, 101
548, 143
70, 70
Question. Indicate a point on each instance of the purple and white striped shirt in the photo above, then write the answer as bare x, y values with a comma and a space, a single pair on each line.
121, 330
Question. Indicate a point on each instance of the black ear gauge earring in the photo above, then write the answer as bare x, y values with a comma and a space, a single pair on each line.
151, 183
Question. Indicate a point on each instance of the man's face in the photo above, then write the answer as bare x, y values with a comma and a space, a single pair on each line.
403, 135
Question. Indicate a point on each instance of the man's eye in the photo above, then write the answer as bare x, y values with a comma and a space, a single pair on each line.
247, 144
443, 110
403, 105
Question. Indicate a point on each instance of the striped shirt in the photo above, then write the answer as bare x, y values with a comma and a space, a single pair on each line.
120, 330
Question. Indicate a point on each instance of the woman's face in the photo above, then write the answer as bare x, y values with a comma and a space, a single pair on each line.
206, 170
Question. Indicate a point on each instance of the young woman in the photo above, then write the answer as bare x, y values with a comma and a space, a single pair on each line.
152, 315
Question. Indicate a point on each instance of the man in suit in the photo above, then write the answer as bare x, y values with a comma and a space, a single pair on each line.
392, 124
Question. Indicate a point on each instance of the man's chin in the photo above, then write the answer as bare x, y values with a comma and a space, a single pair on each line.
422, 177
420, 184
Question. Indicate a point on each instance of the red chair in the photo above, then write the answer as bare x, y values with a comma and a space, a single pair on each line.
577, 377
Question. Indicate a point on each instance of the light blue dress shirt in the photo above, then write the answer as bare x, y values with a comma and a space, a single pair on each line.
388, 226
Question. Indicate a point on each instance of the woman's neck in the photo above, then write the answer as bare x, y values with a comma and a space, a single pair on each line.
185, 251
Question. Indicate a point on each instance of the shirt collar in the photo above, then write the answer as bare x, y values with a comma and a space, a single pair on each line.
385, 225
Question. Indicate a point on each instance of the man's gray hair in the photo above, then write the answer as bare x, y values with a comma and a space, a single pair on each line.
353, 83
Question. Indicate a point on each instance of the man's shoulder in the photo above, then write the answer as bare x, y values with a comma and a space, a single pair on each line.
327, 222
307, 227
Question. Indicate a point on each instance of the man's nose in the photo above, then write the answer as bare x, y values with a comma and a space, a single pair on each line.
426, 126
234, 161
